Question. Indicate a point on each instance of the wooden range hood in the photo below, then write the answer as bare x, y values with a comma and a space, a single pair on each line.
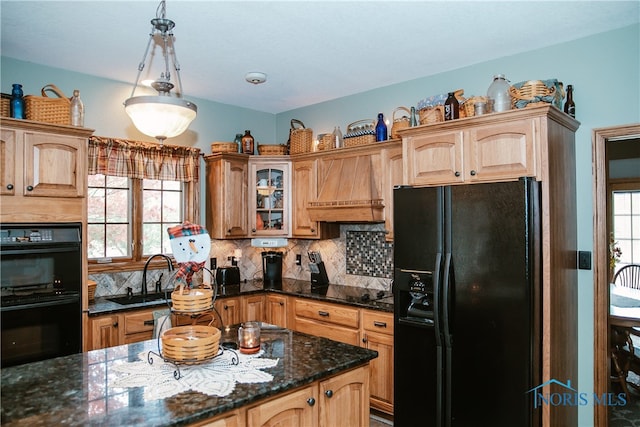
349, 190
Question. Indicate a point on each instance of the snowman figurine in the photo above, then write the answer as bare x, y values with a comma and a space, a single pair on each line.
191, 245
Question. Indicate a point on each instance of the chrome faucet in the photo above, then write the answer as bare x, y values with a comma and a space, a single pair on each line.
144, 272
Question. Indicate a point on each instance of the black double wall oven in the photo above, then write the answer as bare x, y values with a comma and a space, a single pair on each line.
40, 291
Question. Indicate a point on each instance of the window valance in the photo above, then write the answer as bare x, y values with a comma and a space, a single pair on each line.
137, 159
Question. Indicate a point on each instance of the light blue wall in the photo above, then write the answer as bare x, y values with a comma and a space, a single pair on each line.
604, 70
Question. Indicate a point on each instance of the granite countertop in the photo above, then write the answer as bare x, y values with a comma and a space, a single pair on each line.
350, 295
74, 390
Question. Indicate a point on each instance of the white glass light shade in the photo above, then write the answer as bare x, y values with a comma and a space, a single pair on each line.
160, 116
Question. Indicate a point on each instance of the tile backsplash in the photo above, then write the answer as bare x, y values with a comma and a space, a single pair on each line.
359, 257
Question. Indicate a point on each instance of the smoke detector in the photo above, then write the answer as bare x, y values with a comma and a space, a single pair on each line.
256, 77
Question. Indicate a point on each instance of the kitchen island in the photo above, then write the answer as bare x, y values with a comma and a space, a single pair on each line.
78, 389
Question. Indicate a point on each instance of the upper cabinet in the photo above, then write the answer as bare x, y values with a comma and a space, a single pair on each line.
39, 161
226, 195
270, 196
305, 189
489, 148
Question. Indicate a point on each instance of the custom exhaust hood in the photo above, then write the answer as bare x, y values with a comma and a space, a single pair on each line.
350, 190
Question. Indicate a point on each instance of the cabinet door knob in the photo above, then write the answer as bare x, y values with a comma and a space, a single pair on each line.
313, 230
9, 186
329, 393
226, 306
311, 401
115, 325
281, 303
457, 173
364, 340
253, 229
229, 231
473, 173
29, 187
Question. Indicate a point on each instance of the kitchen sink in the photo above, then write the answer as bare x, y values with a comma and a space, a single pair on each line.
138, 299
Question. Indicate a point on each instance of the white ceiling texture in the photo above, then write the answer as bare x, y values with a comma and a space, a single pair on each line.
311, 51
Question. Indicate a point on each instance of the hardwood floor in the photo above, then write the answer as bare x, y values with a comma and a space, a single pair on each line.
379, 419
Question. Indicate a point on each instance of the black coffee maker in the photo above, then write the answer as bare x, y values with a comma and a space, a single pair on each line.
272, 269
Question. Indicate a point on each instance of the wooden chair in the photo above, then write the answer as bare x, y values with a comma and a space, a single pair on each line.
628, 276
623, 358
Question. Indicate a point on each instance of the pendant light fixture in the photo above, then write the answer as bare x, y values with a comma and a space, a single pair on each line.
161, 116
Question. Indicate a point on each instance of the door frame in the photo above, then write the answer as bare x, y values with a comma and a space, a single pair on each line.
601, 364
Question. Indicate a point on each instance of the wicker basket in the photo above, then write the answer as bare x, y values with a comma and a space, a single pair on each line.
360, 132
325, 142
532, 92
5, 111
185, 300
467, 109
190, 344
399, 123
300, 137
431, 115
91, 290
224, 147
46, 109
272, 150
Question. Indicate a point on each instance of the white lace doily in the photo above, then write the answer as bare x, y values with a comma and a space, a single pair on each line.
216, 377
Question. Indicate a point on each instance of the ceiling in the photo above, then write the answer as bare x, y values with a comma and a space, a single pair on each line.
311, 51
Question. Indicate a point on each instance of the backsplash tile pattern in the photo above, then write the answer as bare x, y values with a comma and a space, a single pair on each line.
369, 266
368, 254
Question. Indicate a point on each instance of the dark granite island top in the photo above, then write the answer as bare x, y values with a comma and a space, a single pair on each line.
73, 390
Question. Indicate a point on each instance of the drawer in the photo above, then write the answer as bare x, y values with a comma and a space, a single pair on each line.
330, 313
377, 321
138, 322
332, 332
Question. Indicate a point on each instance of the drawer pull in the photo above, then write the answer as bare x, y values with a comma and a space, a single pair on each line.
148, 323
323, 313
379, 324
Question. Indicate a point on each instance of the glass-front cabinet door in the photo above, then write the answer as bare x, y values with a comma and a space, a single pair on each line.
270, 194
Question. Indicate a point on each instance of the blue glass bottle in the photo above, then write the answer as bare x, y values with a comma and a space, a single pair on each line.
381, 129
17, 102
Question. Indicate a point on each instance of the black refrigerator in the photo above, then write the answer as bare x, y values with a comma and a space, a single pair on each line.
466, 287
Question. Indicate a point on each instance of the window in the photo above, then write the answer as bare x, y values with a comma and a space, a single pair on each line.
136, 191
625, 209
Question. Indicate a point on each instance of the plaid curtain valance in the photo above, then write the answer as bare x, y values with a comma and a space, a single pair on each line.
137, 159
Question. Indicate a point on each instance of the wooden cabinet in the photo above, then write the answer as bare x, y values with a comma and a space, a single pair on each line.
341, 400
270, 196
476, 150
377, 334
276, 310
305, 190
104, 331
334, 321
227, 195
392, 175
344, 399
138, 326
44, 172
253, 308
296, 409
235, 418
230, 310
121, 328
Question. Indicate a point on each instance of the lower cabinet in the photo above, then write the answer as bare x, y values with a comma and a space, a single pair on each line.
104, 331
341, 400
253, 308
122, 328
276, 310
230, 309
377, 334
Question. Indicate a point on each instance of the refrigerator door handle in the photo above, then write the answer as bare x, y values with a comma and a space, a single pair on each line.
438, 331
446, 283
